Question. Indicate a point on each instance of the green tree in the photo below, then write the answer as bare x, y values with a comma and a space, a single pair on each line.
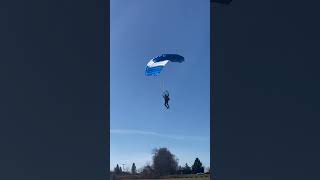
147, 172
187, 169
164, 162
197, 166
117, 169
180, 170
133, 169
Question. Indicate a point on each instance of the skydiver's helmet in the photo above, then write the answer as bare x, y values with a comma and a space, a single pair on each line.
165, 93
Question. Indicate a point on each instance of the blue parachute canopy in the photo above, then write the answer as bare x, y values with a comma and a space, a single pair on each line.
155, 65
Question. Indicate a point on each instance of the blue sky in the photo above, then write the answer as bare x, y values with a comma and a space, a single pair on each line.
141, 30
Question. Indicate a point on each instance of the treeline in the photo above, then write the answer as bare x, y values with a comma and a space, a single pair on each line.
164, 163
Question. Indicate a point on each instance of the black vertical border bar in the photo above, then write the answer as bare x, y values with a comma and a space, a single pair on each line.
107, 81
213, 123
103, 51
104, 40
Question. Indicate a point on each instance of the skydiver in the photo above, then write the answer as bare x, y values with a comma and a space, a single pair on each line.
166, 100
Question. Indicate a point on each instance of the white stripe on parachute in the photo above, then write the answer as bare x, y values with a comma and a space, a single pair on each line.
151, 63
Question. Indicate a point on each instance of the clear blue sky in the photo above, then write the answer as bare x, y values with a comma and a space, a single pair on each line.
141, 30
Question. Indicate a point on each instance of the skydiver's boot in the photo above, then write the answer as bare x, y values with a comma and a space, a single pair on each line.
167, 105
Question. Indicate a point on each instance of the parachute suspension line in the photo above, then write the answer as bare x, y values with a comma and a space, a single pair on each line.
156, 64
162, 85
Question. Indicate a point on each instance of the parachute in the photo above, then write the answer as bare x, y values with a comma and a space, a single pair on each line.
155, 65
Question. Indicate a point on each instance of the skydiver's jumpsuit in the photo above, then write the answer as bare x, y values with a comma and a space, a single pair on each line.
166, 100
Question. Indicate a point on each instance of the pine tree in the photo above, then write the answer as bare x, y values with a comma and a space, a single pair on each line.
180, 170
117, 169
133, 169
187, 169
197, 166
